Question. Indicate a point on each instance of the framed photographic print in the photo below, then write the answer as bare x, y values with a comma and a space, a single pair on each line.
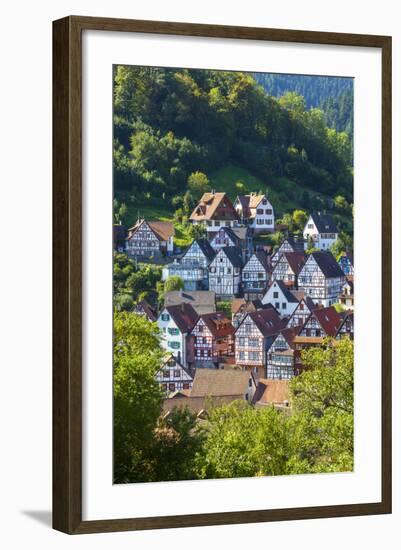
222, 275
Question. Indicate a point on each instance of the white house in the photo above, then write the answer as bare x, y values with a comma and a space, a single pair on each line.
281, 298
288, 245
255, 276
172, 376
225, 272
321, 278
256, 212
175, 324
301, 313
150, 238
320, 230
193, 266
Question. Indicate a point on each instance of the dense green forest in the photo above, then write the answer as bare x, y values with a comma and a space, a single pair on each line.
170, 124
334, 95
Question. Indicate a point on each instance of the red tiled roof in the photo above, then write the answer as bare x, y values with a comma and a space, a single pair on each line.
184, 316
218, 323
329, 319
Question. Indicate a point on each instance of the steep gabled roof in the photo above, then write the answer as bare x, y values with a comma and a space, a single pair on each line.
149, 311
240, 305
267, 320
162, 230
289, 296
327, 264
346, 317
170, 357
218, 323
263, 259
232, 254
328, 318
324, 223
290, 333
296, 260
203, 301
215, 382
184, 316
271, 391
209, 203
205, 247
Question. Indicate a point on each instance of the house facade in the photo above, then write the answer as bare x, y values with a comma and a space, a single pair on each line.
192, 268
239, 237
280, 298
321, 322
175, 324
225, 272
280, 361
288, 245
173, 376
253, 338
346, 297
255, 276
321, 278
212, 339
214, 210
302, 311
346, 262
150, 239
256, 212
320, 231
288, 267
346, 329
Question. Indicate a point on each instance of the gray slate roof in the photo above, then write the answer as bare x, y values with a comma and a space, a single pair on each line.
324, 223
203, 301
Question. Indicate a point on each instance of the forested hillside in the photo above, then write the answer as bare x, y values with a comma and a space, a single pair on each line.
170, 124
333, 95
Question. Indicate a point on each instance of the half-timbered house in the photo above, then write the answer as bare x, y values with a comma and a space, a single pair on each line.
150, 239
192, 268
240, 237
287, 268
146, 310
256, 212
322, 322
175, 324
346, 329
240, 307
290, 244
212, 339
281, 298
255, 276
225, 272
173, 376
280, 361
253, 338
321, 278
320, 231
214, 210
302, 311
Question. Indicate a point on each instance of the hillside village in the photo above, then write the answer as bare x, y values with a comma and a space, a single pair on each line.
281, 301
